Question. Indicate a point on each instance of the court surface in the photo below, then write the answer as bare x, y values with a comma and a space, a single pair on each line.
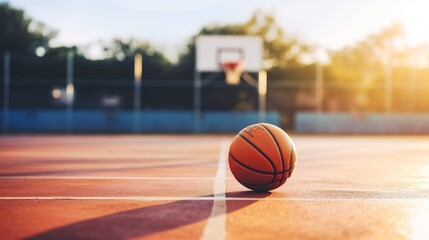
180, 187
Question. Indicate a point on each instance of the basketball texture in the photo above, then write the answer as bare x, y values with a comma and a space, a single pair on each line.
262, 157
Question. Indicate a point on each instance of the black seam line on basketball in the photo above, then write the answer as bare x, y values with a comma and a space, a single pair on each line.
255, 170
262, 153
250, 168
248, 185
278, 149
262, 185
258, 185
280, 152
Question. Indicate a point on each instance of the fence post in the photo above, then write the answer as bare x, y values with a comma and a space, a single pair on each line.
69, 92
262, 92
6, 79
412, 90
197, 101
138, 65
388, 87
319, 87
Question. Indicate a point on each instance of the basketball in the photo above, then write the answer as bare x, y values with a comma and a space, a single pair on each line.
262, 157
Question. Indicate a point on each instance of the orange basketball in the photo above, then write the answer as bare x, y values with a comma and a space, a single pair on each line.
262, 157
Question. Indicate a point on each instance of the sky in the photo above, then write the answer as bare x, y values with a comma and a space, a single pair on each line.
169, 24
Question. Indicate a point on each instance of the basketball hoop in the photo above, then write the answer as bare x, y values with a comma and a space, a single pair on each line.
233, 71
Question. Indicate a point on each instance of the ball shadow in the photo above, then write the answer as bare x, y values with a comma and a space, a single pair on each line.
145, 221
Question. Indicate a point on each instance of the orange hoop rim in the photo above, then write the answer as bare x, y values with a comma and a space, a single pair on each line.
231, 65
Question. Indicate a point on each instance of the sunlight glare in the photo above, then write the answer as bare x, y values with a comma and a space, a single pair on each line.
415, 23
418, 222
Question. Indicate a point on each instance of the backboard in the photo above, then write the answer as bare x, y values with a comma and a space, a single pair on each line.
214, 50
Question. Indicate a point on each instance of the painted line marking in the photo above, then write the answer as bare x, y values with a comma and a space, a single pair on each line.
295, 179
106, 178
216, 199
216, 224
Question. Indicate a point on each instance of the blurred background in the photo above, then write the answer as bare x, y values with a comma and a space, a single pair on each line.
333, 67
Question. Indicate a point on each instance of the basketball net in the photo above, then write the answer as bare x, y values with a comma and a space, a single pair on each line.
233, 71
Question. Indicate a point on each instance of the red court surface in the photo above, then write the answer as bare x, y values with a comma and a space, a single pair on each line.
180, 187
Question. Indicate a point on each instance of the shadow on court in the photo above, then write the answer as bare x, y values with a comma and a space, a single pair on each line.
102, 170
145, 221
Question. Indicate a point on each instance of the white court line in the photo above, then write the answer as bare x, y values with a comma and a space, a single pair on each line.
215, 199
106, 178
315, 180
216, 224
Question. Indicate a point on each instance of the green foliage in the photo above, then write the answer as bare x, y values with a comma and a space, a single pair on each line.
155, 64
21, 34
365, 60
120, 49
371, 63
280, 50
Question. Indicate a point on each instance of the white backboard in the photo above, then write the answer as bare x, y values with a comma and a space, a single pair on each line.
213, 50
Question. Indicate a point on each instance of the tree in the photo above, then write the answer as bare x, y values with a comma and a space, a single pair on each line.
155, 64
364, 61
379, 60
120, 49
21, 34
280, 49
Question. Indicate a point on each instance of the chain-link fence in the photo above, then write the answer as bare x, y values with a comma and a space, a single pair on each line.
65, 88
